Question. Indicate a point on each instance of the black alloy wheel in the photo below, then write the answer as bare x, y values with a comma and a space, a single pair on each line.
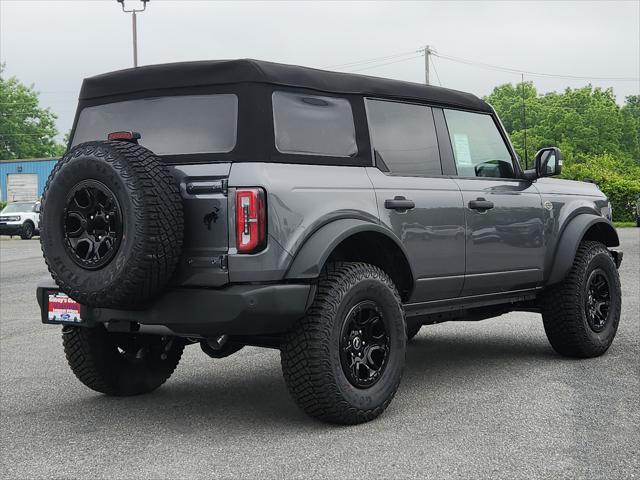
597, 300
364, 344
92, 224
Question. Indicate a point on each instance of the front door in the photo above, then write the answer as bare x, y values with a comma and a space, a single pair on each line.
503, 214
422, 207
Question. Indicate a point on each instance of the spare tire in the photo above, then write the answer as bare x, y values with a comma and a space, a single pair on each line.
111, 224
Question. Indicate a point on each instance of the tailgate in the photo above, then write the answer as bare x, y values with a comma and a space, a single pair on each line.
206, 237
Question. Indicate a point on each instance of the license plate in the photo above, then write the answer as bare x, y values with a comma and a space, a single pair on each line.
62, 309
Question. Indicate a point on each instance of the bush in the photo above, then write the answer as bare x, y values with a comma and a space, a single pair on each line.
618, 179
2, 205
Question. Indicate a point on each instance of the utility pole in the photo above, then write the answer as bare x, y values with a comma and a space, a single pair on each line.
134, 26
427, 52
134, 29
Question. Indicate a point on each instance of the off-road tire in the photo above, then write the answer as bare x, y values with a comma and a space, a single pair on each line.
152, 224
412, 329
27, 231
94, 358
564, 311
310, 353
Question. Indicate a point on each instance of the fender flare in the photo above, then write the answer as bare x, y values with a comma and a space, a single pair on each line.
570, 239
313, 254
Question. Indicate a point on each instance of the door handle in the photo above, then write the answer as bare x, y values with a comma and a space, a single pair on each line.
399, 203
480, 204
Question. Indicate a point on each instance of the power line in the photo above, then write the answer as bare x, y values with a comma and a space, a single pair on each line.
370, 60
387, 63
535, 74
433, 64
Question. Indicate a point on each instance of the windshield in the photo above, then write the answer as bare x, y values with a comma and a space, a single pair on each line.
184, 124
18, 207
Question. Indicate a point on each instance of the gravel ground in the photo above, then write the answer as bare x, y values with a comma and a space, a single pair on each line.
486, 399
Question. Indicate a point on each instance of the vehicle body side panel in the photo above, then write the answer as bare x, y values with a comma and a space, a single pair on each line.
300, 200
564, 201
432, 233
311, 257
505, 245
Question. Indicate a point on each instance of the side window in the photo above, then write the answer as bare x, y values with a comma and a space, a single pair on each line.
478, 147
313, 125
403, 137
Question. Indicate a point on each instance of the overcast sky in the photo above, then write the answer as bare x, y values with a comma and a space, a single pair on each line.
55, 44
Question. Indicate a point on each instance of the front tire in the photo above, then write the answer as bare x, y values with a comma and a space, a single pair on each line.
582, 313
343, 362
27, 231
120, 364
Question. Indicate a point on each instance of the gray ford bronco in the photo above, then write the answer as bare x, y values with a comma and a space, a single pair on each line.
327, 215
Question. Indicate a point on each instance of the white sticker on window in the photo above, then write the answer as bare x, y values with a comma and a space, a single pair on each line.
462, 151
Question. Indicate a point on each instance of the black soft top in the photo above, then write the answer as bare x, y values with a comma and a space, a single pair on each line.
220, 72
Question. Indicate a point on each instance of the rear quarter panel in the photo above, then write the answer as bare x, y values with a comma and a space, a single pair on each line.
300, 200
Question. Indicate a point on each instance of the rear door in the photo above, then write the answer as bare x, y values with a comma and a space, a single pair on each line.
503, 214
415, 200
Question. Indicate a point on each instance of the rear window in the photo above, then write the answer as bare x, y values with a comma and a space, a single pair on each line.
169, 125
313, 125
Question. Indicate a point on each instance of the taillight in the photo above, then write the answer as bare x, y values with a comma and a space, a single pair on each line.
251, 220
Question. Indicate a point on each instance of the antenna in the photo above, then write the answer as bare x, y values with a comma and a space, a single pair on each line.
524, 121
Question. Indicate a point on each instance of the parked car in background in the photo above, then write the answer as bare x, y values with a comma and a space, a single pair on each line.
20, 218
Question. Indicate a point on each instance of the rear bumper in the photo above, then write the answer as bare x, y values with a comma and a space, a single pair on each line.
263, 309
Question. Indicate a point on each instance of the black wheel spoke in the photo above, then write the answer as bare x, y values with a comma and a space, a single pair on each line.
92, 224
597, 300
364, 344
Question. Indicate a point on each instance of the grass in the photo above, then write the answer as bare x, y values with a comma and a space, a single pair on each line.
624, 224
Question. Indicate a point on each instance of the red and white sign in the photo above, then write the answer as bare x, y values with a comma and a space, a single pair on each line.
63, 309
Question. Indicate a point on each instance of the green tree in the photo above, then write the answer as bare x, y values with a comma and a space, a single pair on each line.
599, 139
631, 126
583, 121
27, 130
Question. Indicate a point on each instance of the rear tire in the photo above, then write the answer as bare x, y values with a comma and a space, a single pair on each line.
343, 362
120, 364
27, 231
581, 314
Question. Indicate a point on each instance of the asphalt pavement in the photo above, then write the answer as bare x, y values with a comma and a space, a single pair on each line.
485, 399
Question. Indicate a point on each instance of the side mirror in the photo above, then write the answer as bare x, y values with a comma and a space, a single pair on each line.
36, 208
548, 162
